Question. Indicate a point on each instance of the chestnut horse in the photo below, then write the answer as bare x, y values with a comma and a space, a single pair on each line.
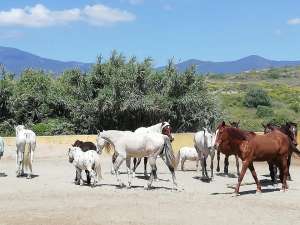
84, 146
273, 146
226, 161
290, 129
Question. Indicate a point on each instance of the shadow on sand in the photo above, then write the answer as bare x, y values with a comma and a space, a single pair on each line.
3, 175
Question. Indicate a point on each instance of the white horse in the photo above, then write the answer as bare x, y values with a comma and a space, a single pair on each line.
161, 128
1, 147
88, 160
25, 142
204, 144
130, 144
187, 153
101, 144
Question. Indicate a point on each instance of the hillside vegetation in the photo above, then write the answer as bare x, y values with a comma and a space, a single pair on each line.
282, 86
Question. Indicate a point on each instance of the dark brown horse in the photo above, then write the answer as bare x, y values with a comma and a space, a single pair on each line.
85, 146
226, 161
289, 129
250, 147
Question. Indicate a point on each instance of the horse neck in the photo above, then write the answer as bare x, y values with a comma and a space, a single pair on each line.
155, 128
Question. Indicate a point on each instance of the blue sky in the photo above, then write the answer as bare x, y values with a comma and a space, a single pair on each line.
216, 30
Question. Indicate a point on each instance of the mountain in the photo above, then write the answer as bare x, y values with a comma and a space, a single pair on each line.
15, 61
252, 62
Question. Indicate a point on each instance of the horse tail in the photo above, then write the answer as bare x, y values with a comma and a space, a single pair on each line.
170, 158
177, 159
108, 147
296, 150
98, 169
27, 158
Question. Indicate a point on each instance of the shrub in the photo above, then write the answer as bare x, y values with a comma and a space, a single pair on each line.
256, 97
295, 107
264, 111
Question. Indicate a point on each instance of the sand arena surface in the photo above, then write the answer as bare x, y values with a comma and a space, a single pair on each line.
51, 197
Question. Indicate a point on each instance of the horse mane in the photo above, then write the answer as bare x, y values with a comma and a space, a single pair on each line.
237, 133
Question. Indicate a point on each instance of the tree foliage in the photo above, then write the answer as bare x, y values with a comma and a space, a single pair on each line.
118, 93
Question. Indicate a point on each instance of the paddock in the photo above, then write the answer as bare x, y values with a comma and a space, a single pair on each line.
52, 198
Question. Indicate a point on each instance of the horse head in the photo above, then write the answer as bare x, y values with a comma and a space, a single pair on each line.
268, 127
167, 130
70, 154
235, 124
292, 131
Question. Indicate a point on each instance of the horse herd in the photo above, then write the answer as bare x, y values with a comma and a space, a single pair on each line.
275, 146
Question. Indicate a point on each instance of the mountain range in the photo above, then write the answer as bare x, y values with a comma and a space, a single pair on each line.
15, 61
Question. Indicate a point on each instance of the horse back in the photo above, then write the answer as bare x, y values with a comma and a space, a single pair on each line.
269, 146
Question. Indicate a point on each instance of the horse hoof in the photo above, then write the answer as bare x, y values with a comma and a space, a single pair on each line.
28, 177
258, 191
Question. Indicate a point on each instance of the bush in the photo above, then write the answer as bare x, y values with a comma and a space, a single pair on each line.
256, 97
295, 107
264, 111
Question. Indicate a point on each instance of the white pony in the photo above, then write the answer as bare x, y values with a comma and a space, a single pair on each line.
161, 128
1, 147
88, 160
25, 142
131, 144
204, 144
187, 153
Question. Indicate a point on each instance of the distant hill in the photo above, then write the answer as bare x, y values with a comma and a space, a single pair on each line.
16, 61
253, 62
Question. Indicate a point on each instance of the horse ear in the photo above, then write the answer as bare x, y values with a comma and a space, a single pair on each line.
264, 126
223, 123
238, 123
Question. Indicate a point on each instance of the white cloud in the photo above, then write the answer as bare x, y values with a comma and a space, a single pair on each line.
294, 21
40, 16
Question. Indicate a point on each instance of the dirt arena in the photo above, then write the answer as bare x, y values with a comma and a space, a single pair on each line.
51, 197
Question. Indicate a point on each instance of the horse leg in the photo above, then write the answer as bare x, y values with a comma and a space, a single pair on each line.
153, 168
272, 173
205, 167
113, 159
29, 175
18, 162
78, 175
226, 164
284, 173
129, 172
88, 177
251, 168
288, 165
155, 173
145, 166
197, 165
119, 160
242, 174
202, 159
212, 156
92, 175
136, 163
182, 164
237, 163
218, 159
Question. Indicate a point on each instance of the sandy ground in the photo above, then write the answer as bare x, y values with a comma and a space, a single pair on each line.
51, 197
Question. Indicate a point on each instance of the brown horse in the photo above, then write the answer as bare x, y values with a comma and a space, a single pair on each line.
85, 146
250, 147
289, 129
226, 161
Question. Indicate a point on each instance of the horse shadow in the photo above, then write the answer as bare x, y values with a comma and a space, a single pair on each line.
143, 177
24, 175
249, 192
229, 175
203, 179
133, 187
3, 175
